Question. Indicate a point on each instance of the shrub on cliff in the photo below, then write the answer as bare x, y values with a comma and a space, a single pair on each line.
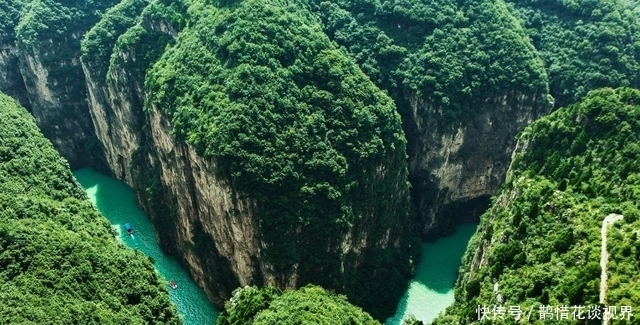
59, 261
541, 238
307, 305
98, 44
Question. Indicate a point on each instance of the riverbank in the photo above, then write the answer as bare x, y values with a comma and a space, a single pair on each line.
116, 201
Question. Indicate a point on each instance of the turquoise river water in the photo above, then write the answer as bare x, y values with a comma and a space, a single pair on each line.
429, 293
116, 201
431, 290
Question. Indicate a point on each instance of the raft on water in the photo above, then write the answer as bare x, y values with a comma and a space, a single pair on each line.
128, 228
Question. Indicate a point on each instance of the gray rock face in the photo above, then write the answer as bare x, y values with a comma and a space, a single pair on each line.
56, 93
11, 82
456, 167
198, 214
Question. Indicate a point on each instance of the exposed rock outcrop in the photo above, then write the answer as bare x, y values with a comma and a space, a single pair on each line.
11, 82
59, 105
209, 223
456, 167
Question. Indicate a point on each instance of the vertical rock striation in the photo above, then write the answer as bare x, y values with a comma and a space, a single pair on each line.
202, 214
456, 167
11, 82
47, 51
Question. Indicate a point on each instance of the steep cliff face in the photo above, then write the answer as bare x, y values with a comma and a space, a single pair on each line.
116, 113
456, 167
60, 109
216, 232
540, 241
11, 82
465, 78
44, 71
217, 227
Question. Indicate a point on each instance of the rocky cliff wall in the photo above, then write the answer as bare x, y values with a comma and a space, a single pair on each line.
57, 100
456, 167
40, 49
116, 112
199, 214
11, 82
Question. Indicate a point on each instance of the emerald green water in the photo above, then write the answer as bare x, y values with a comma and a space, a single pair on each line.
431, 290
116, 201
429, 293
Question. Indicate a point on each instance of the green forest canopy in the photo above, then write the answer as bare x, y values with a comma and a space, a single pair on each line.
585, 45
307, 305
295, 125
59, 260
453, 55
542, 234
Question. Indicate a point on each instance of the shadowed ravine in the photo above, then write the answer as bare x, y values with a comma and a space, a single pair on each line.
116, 201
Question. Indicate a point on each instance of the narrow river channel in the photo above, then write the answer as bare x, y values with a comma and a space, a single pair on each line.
116, 201
431, 290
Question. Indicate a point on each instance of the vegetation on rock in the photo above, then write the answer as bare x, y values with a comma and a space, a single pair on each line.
59, 260
98, 44
452, 55
541, 238
298, 101
307, 305
585, 44
296, 126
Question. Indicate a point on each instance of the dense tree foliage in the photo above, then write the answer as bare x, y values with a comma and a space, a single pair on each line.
43, 19
297, 127
307, 305
53, 27
98, 43
285, 96
585, 44
454, 55
542, 235
9, 17
59, 260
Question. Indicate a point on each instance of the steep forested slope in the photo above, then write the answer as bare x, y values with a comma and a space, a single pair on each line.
59, 260
297, 127
539, 244
307, 305
266, 154
273, 128
453, 55
466, 80
585, 44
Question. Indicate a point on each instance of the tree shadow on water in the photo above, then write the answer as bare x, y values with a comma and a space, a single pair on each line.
441, 259
85, 177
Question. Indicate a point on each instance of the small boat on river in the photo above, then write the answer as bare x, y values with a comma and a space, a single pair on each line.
128, 228
173, 284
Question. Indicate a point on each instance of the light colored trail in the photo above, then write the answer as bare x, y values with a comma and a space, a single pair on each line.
604, 255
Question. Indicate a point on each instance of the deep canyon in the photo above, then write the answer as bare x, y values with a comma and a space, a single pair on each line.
373, 127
